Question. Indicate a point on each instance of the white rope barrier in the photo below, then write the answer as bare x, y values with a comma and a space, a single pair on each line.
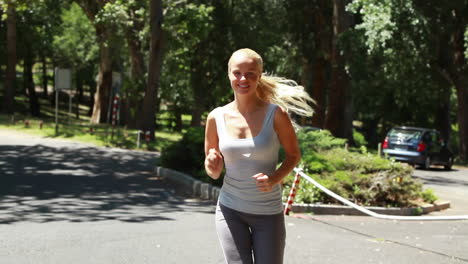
374, 214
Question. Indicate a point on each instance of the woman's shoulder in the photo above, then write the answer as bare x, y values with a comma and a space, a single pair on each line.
277, 108
280, 113
216, 111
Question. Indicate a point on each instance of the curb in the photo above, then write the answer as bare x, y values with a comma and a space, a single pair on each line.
207, 191
196, 187
326, 209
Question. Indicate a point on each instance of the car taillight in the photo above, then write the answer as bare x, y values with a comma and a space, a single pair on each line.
385, 143
421, 146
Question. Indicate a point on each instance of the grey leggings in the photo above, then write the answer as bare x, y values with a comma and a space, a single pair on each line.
242, 235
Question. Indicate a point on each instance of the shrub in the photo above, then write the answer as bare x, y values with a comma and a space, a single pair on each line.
188, 155
359, 139
360, 177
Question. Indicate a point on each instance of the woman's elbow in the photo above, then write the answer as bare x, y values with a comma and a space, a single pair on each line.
295, 158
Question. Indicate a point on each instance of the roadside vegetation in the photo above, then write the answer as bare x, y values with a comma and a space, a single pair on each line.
80, 129
355, 174
361, 177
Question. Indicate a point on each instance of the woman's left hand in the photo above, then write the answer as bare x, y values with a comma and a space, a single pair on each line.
264, 182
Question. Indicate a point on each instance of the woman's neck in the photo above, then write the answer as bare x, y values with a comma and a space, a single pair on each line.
247, 105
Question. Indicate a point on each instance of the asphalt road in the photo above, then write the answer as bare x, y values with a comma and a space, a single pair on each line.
66, 202
448, 186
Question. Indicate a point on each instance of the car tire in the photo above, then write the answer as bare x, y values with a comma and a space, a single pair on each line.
427, 163
448, 167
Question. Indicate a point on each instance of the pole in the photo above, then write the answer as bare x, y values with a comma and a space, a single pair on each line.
69, 106
292, 194
56, 111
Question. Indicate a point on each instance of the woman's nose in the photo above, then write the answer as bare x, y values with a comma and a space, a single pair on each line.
242, 77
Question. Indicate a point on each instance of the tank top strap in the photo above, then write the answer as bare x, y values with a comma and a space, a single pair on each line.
270, 115
219, 118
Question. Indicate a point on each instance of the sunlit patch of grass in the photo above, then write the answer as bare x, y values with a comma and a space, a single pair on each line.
101, 135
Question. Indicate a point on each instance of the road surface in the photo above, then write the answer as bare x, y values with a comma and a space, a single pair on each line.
66, 202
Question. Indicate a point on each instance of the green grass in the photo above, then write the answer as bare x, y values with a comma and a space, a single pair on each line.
101, 135
69, 127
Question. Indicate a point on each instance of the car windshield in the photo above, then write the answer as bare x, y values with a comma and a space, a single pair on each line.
404, 135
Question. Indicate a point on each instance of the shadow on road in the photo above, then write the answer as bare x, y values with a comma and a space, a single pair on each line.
442, 181
42, 184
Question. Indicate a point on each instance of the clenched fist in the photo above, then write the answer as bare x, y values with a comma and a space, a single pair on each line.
264, 182
214, 163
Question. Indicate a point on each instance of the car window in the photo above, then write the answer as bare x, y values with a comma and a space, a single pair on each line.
404, 134
435, 137
427, 137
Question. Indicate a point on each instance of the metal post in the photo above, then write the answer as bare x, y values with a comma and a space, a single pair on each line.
138, 139
56, 111
69, 106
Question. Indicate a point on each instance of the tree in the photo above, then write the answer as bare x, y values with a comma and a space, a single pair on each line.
104, 34
434, 33
339, 111
310, 30
75, 46
188, 72
9, 96
148, 114
447, 24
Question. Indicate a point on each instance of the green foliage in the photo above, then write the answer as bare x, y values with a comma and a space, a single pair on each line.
319, 141
188, 25
377, 21
359, 139
187, 155
429, 196
363, 178
76, 44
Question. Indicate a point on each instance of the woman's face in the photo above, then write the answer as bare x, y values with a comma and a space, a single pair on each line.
244, 74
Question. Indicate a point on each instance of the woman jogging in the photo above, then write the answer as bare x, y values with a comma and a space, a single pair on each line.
244, 136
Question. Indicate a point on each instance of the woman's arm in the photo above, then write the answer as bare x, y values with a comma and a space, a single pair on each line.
213, 159
287, 137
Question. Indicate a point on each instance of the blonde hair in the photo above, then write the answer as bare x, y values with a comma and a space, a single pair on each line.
283, 92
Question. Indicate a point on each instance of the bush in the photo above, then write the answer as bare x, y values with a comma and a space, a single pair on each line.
363, 178
188, 155
359, 139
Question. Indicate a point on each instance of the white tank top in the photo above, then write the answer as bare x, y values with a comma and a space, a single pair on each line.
244, 158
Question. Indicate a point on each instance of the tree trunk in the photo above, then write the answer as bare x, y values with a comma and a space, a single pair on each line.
9, 96
148, 116
34, 107
339, 114
457, 73
320, 64
460, 76
100, 104
318, 91
137, 72
462, 98
79, 92
442, 120
104, 85
199, 90
45, 79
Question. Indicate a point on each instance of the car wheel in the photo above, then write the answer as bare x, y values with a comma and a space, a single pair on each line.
427, 163
448, 167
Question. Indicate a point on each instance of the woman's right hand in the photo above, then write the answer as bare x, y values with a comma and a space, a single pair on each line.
214, 163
